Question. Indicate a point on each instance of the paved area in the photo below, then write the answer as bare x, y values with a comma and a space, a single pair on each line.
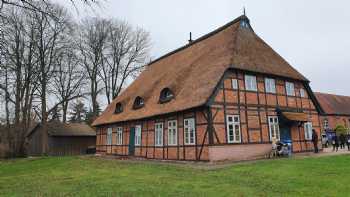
218, 165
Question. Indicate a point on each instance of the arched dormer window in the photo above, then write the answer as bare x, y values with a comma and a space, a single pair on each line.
138, 103
118, 108
166, 95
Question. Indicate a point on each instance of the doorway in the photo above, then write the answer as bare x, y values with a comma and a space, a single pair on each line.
132, 141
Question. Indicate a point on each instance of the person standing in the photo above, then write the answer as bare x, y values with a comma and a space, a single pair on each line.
342, 141
348, 142
335, 142
315, 140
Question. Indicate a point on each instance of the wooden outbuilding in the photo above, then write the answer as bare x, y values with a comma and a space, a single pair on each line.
223, 96
64, 139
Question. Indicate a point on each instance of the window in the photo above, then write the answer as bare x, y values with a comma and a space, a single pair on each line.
158, 134
308, 130
119, 135
235, 84
138, 135
166, 95
138, 103
274, 128
250, 82
189, 129
172, 132
109, 136
270, 85
290, 89
118, 108
325, 124
302, 93
233, 129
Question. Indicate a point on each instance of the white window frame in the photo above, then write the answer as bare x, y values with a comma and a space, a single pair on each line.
138, 135
270, 85
231, 126
250, 83
290, 90
234, 84
158, 134
325, 124
274, 128
308, 130
302, 93
119, 135
189, 131
172, 132
109, 136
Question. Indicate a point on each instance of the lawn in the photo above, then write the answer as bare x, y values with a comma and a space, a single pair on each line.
84, 176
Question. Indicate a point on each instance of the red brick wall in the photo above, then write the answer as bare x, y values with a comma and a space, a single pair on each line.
333, 121
254, 107
199, 151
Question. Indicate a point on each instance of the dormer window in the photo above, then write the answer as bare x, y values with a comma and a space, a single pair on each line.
138, 103
166, 95
118, 108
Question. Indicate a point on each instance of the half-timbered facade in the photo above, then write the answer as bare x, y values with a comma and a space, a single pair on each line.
224, 96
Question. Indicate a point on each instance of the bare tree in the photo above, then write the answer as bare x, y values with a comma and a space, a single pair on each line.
51, 36
92, 43
127, 50
69, 80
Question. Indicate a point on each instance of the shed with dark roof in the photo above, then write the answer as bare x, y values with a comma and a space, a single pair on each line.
63, 138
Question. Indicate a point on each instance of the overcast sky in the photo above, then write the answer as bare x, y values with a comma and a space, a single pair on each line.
313, 35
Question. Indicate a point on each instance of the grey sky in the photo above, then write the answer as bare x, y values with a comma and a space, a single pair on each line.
311, 35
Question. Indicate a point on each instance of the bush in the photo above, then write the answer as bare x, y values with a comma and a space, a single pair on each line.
340, 129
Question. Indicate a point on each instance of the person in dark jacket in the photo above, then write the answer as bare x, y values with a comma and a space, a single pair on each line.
335, 142
348, 141
342, 141
315, 140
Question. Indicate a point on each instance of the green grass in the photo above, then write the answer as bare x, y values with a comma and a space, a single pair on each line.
77, 176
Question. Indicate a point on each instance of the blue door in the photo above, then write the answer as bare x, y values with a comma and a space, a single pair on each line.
132, 141
285, 134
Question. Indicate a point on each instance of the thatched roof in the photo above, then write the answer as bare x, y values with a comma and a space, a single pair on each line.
193, 71
334, 104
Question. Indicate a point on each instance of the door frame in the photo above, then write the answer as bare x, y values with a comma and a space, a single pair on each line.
131, 148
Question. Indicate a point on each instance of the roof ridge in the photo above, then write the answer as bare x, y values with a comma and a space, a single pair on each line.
205, 36
331, 94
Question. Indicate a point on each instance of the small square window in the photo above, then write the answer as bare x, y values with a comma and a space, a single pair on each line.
302, 93
270, 85
250, 83
234, 84
290, 89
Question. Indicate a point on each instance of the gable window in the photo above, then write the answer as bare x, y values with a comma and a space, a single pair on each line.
325, 124
118, 108
250, 83
270, 85
274, 128
308, 130
166, 95
119, 135
302, 93
172, 132
189, 130
109, 136
235, 84
233, 129
138, 103
158, 134
290, 89
138, 135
